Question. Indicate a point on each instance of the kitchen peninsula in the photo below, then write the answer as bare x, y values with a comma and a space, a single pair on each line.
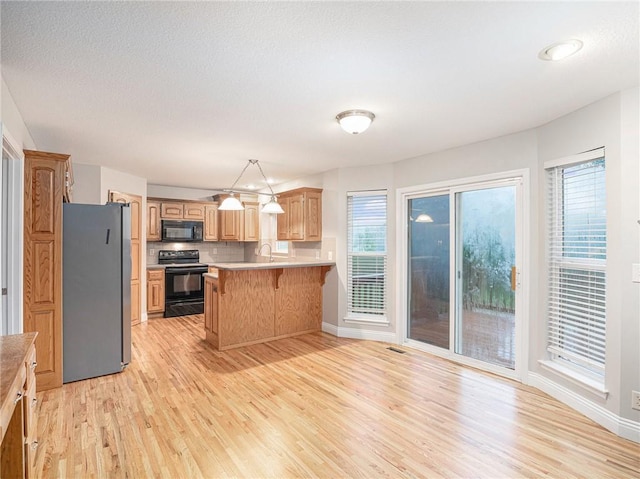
248, 303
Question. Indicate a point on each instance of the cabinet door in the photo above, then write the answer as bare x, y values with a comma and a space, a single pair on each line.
229, 225
193, 211
283, 220
251, 222
155, 296
171, 211
211, 223
296, 217
153, 221
155, 290
313, 216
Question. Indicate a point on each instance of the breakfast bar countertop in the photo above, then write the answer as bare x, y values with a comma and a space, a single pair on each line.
273, 265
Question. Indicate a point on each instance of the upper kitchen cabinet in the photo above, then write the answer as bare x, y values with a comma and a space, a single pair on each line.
243, 225
153, 220
251, 221
45, 185
302, 218
180, 210
211, 222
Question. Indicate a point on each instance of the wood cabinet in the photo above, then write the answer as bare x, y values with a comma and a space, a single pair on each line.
182, 210
135, 202
18, 406
258, 304
211, 222
171, 210
302, 218
44, 186
211, 309
155, 291
193, 211
251, 220
243, 225
153, 221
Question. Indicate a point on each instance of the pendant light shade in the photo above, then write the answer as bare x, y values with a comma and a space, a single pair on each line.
272, 207
231, 203
355, 121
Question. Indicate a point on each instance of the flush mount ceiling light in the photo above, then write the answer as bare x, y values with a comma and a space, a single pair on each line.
560, 50
355, 121
231, 203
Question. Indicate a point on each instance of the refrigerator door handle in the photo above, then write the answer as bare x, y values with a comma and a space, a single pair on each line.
108, 234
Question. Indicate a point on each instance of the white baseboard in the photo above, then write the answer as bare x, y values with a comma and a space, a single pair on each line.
621, 426
353, 333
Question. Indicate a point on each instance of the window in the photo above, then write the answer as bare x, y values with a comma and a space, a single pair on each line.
281, 247
577, 261
367, 255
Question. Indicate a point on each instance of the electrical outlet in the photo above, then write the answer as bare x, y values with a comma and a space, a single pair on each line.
317, 254
330, 255
152, 252
635, 400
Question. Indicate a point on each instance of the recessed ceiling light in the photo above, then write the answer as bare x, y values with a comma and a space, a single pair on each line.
560, 50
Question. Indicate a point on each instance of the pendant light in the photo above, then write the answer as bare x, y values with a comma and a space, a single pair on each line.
231, 203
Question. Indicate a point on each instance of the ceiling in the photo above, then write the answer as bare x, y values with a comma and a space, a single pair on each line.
183, 93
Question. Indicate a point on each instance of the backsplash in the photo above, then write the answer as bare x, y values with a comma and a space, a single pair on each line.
214, 252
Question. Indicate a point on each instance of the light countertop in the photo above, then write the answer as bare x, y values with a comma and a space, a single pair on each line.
276, 264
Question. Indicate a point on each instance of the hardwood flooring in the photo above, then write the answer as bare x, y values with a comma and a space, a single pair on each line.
311, 406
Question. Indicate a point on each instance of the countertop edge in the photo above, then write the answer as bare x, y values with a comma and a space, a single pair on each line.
274, 265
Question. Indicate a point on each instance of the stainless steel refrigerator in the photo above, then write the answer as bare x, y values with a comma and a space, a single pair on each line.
96, 290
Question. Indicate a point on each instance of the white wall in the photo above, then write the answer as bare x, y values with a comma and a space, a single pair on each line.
179, 193
86, 187
12, 121
15, 132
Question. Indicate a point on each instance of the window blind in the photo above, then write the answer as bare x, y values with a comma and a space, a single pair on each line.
366, 254
577, 262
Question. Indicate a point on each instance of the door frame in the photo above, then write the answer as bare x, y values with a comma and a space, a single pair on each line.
15, 220
522, 263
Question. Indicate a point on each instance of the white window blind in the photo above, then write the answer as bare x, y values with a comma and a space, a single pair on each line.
366, 254
577, 261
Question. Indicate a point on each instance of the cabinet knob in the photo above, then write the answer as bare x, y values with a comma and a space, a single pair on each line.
33, 365
34, 445
34, 401
18, 397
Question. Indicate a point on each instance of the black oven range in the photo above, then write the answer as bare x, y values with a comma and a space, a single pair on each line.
183, 282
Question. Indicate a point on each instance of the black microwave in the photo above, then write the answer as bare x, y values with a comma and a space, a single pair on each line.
177, 231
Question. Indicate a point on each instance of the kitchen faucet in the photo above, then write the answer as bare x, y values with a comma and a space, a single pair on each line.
270, 254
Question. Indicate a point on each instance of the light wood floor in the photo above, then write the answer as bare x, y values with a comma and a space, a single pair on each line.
312, 406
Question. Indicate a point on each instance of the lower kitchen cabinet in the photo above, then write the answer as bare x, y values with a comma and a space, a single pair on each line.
18, 404
155, 291
211, 308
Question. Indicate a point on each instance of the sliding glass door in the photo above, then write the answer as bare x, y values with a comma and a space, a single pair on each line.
485, 275
429, 273
462, 252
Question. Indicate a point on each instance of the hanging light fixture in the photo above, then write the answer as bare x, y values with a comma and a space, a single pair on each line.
355, 121
231, 203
